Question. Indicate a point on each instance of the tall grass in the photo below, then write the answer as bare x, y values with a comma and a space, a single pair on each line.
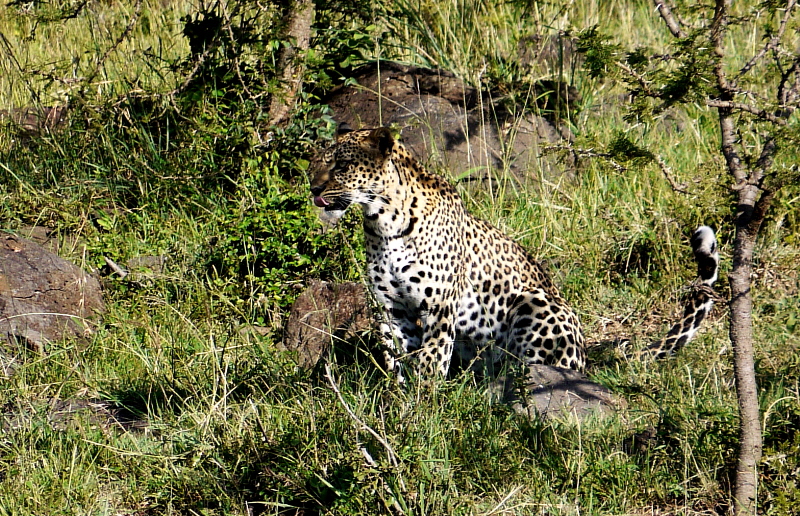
45, 61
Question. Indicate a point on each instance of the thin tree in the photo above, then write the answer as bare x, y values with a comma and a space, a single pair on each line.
754, 99
298, 19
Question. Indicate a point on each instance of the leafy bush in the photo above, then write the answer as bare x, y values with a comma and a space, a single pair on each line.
272, 245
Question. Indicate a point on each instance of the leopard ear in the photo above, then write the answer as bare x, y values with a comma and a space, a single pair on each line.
343, 128
382, 139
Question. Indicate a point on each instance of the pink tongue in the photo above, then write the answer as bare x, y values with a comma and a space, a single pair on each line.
320, 202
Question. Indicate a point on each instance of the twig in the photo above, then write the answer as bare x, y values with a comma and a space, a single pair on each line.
236, 63
760, 113
125, 33
668, 174
115, 267
505, 499
12, 57
787, 96
586, 153
772, 43
672, 24
75, 12
370, 461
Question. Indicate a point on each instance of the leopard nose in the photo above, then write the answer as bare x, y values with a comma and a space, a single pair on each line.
316, 190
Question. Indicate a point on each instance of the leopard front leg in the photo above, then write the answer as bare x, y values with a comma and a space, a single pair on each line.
401, 334
438, 336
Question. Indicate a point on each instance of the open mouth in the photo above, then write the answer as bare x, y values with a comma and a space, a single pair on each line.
320, 202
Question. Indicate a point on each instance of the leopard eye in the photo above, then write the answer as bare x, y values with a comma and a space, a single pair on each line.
341, 164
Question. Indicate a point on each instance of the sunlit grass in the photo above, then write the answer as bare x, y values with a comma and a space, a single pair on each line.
46, 63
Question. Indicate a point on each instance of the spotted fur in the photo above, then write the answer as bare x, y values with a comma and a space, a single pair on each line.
445, 279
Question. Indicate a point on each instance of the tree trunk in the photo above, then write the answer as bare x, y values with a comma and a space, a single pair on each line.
301, 16
741, 334
750, 212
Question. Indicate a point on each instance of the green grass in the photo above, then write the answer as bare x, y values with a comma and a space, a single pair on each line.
234, 426
64, 52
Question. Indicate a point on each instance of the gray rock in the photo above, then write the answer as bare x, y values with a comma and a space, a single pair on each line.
449, 124
154, 264
549, 392
70, 413
50, 239
33, 121
43, 298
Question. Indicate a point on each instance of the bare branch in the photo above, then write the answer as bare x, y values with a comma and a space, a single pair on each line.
772, 43
762, 206
668, 174
389, 450
125, 33
794, 91
789, 95
672, 24
739, 106
764, 162
201, 59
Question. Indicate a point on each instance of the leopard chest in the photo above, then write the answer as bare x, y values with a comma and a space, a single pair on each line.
410, 270
394, 270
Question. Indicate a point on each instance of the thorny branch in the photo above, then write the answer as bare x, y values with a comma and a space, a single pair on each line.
739, 106
772, 43
643, 83
672, 24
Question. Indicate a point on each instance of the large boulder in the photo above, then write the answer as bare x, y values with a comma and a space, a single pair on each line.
451, 125
43, 298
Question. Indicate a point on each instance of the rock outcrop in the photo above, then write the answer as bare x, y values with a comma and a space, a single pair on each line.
43, 298
451, 125
325, 313
551, 392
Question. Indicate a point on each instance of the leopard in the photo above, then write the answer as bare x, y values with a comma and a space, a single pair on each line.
450, 284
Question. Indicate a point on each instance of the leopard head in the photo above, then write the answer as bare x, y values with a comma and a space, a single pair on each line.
351, 171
